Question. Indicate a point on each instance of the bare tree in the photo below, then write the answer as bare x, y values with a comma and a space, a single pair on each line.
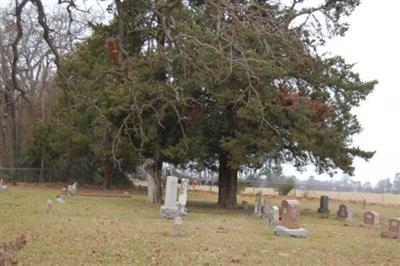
30, 49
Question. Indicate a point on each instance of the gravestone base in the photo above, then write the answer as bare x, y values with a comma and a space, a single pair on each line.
323, 215
182, 210
286, 232
389, 234
169, 212
375, 226
259, 215
271, 222
349, 219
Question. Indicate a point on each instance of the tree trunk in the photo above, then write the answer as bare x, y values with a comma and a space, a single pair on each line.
42, 173
153, 175
3, 140
108, 171
227, 184
12, 126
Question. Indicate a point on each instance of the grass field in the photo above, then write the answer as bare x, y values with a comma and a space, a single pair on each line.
381, 198
128, 231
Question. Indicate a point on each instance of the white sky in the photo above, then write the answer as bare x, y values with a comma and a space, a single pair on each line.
373, 43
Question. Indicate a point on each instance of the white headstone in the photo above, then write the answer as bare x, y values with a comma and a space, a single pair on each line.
60, 200
275, 215
71, 189
170, 208
3, 187
170, 191
182, 199
183, 192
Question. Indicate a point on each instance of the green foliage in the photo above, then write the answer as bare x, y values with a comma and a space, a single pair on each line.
285, 188
210, 81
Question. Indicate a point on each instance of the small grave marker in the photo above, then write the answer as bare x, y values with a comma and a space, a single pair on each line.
182, 199
71, 189
267, 209
49, 206
177, 232
323, 209
274, 218
344, 212
394, 229
3, 187
245, 204
258, 205
59, 199
370, 219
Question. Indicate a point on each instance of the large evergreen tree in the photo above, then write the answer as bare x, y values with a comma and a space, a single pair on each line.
229, 84
259, 89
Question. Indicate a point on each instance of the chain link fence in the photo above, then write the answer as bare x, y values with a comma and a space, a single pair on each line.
32, 175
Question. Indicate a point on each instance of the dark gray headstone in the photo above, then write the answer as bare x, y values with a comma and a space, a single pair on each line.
324, 205
345, 212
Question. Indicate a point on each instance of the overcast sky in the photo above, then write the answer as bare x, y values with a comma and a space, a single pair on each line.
373, 43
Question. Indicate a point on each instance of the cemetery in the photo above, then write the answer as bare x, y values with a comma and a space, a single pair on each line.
128, 230
199, 132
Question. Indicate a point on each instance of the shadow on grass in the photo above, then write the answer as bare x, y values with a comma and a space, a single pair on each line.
197, 206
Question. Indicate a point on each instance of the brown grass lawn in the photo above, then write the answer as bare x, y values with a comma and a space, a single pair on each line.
128, 231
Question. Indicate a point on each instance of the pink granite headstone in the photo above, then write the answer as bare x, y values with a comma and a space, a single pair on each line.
177, 231
394, 229
371, 218
290, 214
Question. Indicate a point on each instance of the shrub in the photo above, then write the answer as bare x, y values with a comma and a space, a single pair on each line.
285, 188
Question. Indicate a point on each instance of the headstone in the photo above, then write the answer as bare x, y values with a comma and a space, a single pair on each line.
364, 203
71, 189
60, 200
344, 212
370, 219
394, 229
290, 214
170, 209
3, 187
245, 204
182, 199
271, 213
258, 205
273, 216
267, 209
323, 205
177, 232
49, 206
74, 188
290, 219
286, 232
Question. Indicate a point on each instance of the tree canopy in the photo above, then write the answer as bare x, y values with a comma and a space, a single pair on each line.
229, 84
